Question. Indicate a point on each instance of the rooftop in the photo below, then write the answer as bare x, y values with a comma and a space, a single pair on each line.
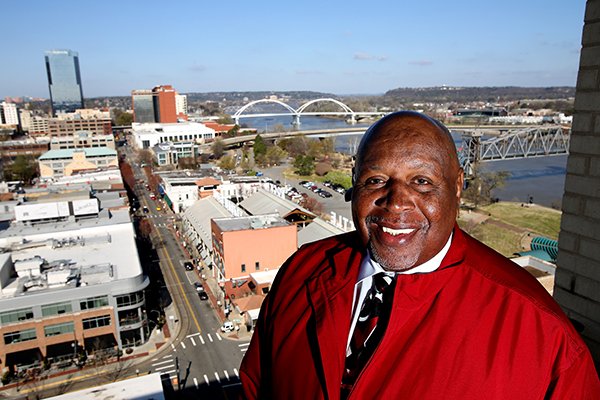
251, 222
68, 153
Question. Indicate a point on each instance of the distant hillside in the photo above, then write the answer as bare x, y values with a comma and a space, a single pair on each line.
488, 94
251, 96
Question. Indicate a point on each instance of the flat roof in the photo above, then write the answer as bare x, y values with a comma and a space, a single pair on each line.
251, 222
101, 249
144, 387
68, 153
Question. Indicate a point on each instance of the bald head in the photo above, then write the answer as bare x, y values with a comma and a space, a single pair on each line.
402, 125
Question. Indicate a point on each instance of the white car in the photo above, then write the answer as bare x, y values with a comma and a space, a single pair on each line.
227, 327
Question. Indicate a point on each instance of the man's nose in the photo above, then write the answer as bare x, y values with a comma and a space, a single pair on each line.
398, 197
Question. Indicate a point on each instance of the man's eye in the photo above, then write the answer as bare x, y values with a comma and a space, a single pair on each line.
422, 181
374, 181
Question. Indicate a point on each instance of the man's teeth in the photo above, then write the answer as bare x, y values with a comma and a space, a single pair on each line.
395, 232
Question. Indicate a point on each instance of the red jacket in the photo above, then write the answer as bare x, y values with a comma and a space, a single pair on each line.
479, 327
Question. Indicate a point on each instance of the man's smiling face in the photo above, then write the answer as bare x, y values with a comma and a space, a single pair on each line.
406, 192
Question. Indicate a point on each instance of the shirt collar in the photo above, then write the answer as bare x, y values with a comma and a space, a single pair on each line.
370, 267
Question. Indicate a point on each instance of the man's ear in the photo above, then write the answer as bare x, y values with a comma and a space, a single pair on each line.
348, 194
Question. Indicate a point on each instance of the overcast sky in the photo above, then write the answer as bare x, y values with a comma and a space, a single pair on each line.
349, 47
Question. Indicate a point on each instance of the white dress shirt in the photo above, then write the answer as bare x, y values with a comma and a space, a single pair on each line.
370, 267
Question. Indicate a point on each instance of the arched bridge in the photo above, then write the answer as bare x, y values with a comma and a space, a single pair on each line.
345, 111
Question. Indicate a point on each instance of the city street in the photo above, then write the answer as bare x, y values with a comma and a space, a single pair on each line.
199, 359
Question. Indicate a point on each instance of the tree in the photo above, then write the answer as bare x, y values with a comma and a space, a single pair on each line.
187, 163
23, 168
260, 149
305, 165
481, 185
312, 204
274, 155
339, 178
218, 148
145, 156
227, 163
294, 146
124, 119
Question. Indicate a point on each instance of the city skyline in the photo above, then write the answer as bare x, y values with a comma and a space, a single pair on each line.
341, 48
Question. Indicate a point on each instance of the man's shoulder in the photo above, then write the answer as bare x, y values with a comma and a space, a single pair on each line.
513, 280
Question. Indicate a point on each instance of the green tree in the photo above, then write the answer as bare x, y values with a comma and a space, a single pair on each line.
295, 146
260, 150
305, 165
274, 155
23, 168
124, 119
340, 178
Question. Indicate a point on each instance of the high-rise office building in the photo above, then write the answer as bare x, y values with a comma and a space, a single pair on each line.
64, 80
161, 104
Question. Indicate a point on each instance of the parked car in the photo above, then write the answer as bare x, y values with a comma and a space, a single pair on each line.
202, 295
188, 266
145, 209
199, 287
227, 327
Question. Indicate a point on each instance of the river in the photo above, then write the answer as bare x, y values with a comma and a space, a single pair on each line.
542, 178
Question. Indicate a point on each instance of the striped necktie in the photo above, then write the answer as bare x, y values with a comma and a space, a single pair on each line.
369, 329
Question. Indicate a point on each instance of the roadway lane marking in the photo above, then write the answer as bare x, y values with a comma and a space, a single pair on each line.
235, 371
169, 356
232, 384
217, 376
196, 383
209, 337
226, 374
206, 380
193, 341
219, 337
162, 362
193, 334
169, 372
183, 345
173, 346
243, 345
201, 339
165, 367
175, 277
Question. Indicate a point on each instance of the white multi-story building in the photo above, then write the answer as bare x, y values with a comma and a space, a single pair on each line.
181, 105
71, 282
9, 115
147, 135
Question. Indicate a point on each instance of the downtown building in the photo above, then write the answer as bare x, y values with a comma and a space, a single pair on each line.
160, 104
64, 81
71, 282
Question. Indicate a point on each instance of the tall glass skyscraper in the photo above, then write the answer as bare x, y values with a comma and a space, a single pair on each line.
64, 80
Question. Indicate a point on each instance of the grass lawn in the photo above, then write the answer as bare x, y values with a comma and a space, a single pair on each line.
540, 220
504, 241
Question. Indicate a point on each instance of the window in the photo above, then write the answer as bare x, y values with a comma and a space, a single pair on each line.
130, 299
96, 322
243, 267
20, 336
94, 302
59, 329
56, 308
10, 317
257, 265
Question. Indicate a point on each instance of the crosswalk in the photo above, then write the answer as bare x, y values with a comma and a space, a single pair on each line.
197, 339
167, 365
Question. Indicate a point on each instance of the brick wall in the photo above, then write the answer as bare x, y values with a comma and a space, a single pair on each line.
577, 282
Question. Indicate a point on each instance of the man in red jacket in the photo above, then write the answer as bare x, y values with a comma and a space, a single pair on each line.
460, 321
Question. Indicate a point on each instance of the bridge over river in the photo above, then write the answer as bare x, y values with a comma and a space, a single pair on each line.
479, 143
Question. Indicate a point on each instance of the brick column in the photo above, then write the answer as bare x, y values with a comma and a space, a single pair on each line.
577, 283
